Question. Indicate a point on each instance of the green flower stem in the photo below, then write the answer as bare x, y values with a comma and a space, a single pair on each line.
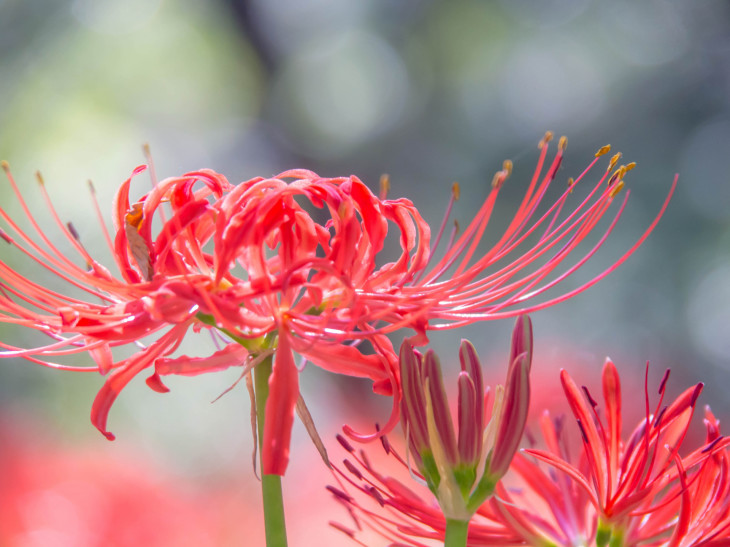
609, 536
617, 539
270, 484
456, 533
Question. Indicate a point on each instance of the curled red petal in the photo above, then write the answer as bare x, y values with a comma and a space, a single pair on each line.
125, 371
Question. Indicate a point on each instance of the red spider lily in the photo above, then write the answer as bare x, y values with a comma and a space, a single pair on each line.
620, 492
461, 473
251, 262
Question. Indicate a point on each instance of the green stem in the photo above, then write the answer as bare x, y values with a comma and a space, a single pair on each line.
270, 484
608, 535
456, 533
617, 539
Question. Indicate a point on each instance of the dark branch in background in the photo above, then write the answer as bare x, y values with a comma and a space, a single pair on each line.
245, 17
277, 136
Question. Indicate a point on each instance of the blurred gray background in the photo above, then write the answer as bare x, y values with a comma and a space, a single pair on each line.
429, 92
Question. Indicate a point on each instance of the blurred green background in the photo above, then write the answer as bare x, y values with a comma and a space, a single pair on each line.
429, 92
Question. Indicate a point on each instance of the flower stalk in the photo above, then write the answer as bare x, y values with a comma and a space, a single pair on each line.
457, 532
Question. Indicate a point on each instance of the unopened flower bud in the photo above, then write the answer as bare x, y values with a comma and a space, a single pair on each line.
462, 469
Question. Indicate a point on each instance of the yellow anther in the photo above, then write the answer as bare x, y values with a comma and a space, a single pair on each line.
455, 191
546, 139
5, 165
135, 216
498, 179
617, 175
501, 176
39, 178
563, 143
571, 182
603, 150
616, 189
457, 226
224, 284
384, 185
614, 161
630, 166
507, 168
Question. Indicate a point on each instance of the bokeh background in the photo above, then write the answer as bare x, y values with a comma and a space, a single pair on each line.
429, 92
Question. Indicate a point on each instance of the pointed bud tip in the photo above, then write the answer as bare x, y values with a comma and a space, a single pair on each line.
522, 338
696, 393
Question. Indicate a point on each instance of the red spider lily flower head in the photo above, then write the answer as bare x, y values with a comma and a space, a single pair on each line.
251, 262
634, 491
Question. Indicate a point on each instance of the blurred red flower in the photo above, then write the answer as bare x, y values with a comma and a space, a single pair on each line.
79, 495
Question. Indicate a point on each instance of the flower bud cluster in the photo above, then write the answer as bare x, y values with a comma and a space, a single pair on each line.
463, 466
